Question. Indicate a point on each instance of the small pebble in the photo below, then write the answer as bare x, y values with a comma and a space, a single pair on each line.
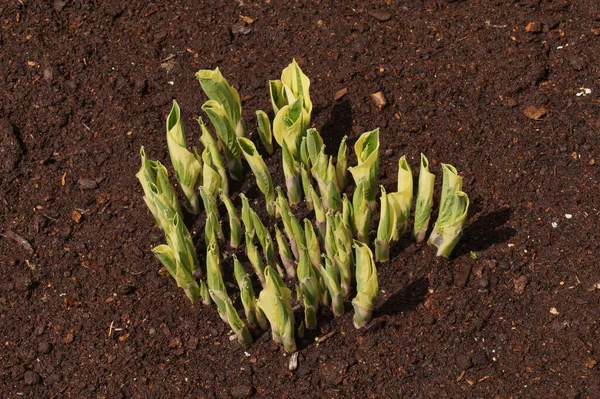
242, 391
32, 378
520, 284
44, 347
568, 215
87, 184
554, 224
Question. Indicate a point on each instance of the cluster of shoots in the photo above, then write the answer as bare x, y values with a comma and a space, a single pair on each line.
326, 260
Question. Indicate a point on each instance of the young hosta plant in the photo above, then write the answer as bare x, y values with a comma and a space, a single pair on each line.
188, 166
331, 277
362, 212
212, 212
367, 286
235, 225
264, 131
293, 84
308, 278
255, 259
285, 253
386, 229
275, 301
159, 195
306, 187
290, 125
211, 179
326, 177
266, 242
213, 156
424, 200
312, 243
454, 206
283, 208
217, 89
401, 200
254, 315
227, 136
247, 216
341, 166
291, 174
218, 293
367, 153
320, 214
261, 172
314, 147
179, 258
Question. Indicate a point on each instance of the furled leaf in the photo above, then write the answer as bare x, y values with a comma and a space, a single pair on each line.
261, 172
424, 200
454, 206
367, 153
275, 301
187, 166
367, 287
264, 131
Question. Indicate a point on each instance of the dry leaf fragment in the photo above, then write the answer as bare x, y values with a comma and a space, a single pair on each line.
340, 93
590, 364
247, 20
535, 113
69, 337
533, 27
76, 216
379, 100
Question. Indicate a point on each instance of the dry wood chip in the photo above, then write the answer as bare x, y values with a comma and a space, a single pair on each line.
535, 113
20, 240
340, 93
379, 100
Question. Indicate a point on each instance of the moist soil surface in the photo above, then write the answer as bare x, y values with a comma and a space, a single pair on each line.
506, 91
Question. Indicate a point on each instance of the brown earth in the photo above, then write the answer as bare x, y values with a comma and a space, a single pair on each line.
496, 88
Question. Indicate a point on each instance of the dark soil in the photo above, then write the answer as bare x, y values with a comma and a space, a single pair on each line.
83, 84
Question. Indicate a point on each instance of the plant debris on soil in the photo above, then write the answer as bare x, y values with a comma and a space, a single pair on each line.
84, 311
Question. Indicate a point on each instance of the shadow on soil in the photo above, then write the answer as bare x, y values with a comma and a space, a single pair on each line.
337, 126
486, 231
405, 299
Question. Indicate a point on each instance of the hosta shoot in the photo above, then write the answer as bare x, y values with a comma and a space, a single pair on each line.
261, 172
367, 286
159, 195
362, 212
255, 259
285, 253
292, 176
247, 216
454, 206
275, 301
367, 153
330, 276
320, 214
214, 156
264, 131
341, 166
227, 137
312, 243
308, 279
254, 315
187, 165
424, 200
386, 228
235, 225
217, 89
401, 200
